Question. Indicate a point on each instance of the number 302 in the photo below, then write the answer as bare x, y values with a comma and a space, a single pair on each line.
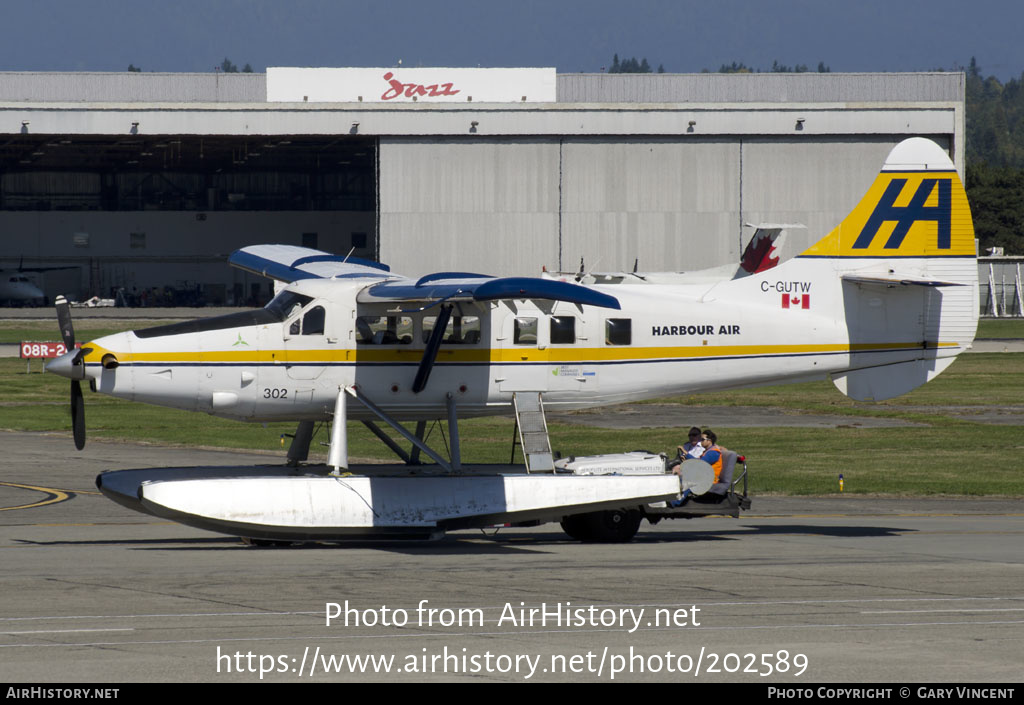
275, 393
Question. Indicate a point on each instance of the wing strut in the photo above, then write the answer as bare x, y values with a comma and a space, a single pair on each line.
433, 346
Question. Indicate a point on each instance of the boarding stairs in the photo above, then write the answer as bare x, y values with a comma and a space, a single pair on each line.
532, 429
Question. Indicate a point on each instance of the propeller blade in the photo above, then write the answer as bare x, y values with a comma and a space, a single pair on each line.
77, 414
67, 330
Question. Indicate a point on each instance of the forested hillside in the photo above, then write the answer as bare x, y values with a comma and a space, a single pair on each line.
995, 160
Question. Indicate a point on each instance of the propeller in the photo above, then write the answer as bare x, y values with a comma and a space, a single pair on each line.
71, 365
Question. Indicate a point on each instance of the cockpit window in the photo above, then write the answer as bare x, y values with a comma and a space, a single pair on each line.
311, 323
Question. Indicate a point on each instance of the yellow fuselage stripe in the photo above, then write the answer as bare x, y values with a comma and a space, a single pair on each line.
504, 355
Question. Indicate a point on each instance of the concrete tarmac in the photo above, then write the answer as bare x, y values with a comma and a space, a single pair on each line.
823, 590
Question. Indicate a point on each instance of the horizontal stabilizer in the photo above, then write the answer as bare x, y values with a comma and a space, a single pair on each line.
889, 381
892, 280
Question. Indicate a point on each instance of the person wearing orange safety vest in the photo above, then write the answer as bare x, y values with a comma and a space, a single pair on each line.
712, 453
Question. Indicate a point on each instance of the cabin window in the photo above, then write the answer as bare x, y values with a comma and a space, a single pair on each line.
563, 330
383, 330
618, 331
461, 330
525, 332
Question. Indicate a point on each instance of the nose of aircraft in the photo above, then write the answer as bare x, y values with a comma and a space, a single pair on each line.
67, 365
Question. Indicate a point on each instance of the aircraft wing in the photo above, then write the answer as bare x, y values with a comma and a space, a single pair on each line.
460, 286
288, 263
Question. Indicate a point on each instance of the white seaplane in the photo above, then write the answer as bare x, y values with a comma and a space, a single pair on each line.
880, 305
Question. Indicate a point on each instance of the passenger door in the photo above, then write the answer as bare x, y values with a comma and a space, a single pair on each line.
307, 346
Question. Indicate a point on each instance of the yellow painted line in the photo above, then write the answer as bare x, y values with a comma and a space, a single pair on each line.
57, 496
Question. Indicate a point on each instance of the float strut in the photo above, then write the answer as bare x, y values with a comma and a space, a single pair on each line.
453, 432
414, 455
386, 440
337, 458
362, 399
298, 451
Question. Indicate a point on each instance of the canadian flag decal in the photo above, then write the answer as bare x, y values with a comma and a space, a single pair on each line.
796, 301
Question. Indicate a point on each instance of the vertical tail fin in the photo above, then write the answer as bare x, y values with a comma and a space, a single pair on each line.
916, 208
906, 260
760, 254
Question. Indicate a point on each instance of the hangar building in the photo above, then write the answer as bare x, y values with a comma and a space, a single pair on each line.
144, 180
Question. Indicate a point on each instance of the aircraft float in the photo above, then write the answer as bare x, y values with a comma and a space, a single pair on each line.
880, 305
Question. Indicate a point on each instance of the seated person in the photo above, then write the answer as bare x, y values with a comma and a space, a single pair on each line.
691, 449
722, 461
712, 454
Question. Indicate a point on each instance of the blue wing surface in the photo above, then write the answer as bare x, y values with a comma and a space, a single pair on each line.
289, 263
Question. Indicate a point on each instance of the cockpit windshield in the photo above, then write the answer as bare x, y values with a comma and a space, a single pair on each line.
283, 305
287, 303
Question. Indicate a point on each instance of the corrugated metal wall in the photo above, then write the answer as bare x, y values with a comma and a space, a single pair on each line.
487, 205
814, 183
133, 87
669, 203
760, 87
511, 206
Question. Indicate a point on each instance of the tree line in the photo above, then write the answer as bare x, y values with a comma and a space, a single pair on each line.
226, 66
995, 159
